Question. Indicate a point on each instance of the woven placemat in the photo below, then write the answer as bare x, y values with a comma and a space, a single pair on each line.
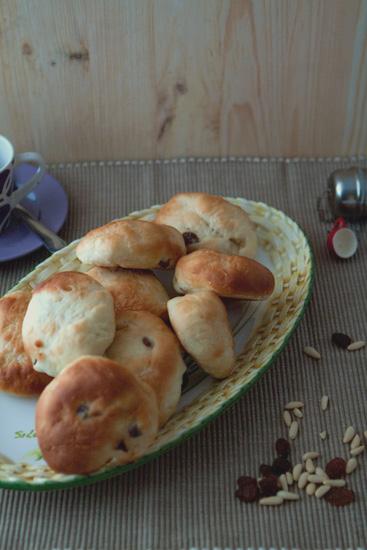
185, 499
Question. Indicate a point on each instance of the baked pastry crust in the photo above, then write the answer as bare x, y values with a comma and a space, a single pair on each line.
209, 221
135, 290
95, 412
201, 323
134, 244
17, 374
152, 350
227, 276
69, 315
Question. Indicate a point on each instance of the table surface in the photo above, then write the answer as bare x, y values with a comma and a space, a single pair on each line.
185, 499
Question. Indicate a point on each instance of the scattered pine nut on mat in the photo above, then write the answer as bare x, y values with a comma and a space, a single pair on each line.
312, 352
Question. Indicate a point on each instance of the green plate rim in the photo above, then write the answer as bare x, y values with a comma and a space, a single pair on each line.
80, 481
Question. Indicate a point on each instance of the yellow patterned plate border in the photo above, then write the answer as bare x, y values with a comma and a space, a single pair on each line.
291, 255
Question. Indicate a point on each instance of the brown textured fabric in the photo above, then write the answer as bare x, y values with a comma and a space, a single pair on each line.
186, 498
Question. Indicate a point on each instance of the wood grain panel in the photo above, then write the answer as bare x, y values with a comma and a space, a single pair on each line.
88, 79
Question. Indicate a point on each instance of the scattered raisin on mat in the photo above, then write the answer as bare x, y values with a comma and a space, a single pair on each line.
266, 470
268, 486
336, 468
341, 340
339, 496
248, 493
248, 490
190, 238
246, 480
282, 447
281, 465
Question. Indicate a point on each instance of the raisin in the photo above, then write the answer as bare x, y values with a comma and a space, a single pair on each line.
282, 447
83, 411
236, 242
134, 431
164, 264
341, 340
249, 493
121, 446
246, 480
248, 490
281, 465
190, 238
147, 342
268, 486
339, 496
266, 470
336, 468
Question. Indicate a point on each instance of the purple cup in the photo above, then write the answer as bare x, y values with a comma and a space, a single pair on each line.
10, 196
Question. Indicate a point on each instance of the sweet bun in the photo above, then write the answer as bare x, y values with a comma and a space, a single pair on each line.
149, 347
201, 323
227, 276
132, 290
133, 244
69, 315
209, 221
96, 412
17, 374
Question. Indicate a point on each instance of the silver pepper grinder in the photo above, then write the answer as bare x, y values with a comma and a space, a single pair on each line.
347, 193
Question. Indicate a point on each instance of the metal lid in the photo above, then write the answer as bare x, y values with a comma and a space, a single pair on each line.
347, 193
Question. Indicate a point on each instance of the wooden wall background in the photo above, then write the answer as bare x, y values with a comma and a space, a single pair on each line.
113, 79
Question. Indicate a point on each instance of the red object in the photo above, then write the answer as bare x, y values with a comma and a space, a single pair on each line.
336, 468
339, 224
282, 447
281, 465
246, 480
268, 486
339, 496
248, 490
266, 470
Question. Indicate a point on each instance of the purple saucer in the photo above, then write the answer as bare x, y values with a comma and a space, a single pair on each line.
47, 202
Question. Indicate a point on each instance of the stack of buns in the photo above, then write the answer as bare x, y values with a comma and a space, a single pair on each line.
103, 347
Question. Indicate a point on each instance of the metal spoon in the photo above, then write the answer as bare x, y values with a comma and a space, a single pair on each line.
51, 241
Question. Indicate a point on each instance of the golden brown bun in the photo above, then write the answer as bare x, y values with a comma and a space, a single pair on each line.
17, 374
95, 412
211, 222
148, 346
134, 244
201, 323
69, 315
227, 276
132, 290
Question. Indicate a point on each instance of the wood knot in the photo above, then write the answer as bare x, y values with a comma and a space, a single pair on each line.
27, 49
79, 56
181, 87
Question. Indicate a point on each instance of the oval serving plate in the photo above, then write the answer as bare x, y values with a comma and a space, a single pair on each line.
261, 330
